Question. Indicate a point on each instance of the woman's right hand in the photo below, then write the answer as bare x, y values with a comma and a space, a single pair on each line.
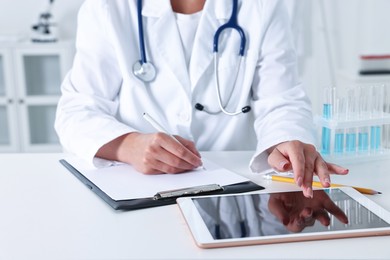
153, 153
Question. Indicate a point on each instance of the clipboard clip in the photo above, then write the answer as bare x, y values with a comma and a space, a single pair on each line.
197, 190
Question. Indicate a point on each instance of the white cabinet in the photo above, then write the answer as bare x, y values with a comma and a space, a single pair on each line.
30, 80
8, 115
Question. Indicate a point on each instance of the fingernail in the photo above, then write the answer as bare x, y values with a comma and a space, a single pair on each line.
327, 181
310, 214
299, 181
201, 164
283, 165
309, 192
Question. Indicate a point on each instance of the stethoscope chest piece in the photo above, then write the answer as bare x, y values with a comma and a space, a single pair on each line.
146, 71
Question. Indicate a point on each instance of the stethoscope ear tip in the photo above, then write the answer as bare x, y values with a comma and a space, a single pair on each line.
199, 107
246, 109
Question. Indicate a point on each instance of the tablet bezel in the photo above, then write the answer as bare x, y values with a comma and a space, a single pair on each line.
204, 239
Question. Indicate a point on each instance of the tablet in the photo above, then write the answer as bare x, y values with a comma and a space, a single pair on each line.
264, 218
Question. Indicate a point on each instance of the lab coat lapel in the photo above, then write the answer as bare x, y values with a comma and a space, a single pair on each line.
164, 36
215, 13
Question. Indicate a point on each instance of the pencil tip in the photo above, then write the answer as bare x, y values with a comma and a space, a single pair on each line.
379, 192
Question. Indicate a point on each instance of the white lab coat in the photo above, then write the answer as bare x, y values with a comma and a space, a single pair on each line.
102, 99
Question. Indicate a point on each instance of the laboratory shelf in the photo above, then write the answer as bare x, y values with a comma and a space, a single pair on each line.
370, 144
356, 158
343, 124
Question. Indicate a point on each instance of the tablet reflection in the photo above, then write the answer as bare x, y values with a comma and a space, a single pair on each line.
283, 213
297, 212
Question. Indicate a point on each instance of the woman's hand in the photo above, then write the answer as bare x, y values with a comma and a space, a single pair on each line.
153, 153
305, 162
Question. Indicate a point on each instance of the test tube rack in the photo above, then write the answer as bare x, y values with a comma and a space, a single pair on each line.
374, 146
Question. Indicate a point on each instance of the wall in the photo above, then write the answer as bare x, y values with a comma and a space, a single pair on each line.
336, 35
17, 16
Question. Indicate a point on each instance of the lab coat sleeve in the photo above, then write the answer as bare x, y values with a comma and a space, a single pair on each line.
85, 119
281, 108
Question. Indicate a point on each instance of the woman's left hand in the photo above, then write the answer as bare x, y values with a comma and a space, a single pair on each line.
305, 162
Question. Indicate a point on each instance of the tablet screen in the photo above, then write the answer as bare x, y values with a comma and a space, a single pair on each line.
258, 215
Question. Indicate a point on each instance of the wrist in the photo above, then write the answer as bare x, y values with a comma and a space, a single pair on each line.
118, 149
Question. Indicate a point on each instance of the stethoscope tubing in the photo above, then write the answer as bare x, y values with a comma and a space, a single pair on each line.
141, 36
145, 71
221, 106
232, 23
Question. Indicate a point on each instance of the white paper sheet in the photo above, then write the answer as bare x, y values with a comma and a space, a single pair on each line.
124, 182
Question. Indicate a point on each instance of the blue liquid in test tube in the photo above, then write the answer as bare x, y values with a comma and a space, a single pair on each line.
375, 139
325, 142
339, 142
363, 140
350, 142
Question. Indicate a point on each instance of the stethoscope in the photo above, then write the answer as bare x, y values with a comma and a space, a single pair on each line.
241, 221
145, 71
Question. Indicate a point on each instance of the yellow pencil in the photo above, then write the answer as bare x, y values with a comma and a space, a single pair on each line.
319, 185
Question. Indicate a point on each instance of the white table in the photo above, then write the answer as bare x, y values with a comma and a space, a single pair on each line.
46, 213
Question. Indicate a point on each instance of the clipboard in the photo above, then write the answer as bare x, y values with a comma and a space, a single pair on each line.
160, 198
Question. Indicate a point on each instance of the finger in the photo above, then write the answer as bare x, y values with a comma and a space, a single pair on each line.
310, 157
308, 222
161, 167
158, 167
170, 163
296, 225
276, 207
277, 161
306, 212
323, 217
306, 217
333, 209
336, 169
183, 155
151, 165
322, 171
159, 158
189, 145
294, 151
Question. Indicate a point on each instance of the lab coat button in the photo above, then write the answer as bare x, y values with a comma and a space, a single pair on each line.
184, 117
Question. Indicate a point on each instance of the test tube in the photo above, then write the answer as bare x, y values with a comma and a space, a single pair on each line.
386, 109
364, 113
339, 114
350, 136
377, 112
327, 113
363, 139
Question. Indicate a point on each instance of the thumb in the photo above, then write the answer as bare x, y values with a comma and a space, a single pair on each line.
277, 161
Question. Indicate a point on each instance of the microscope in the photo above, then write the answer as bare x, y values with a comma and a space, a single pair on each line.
45, 30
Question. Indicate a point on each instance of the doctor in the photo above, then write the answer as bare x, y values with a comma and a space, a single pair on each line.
237, 91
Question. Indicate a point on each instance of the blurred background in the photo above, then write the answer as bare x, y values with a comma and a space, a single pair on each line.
340, 43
